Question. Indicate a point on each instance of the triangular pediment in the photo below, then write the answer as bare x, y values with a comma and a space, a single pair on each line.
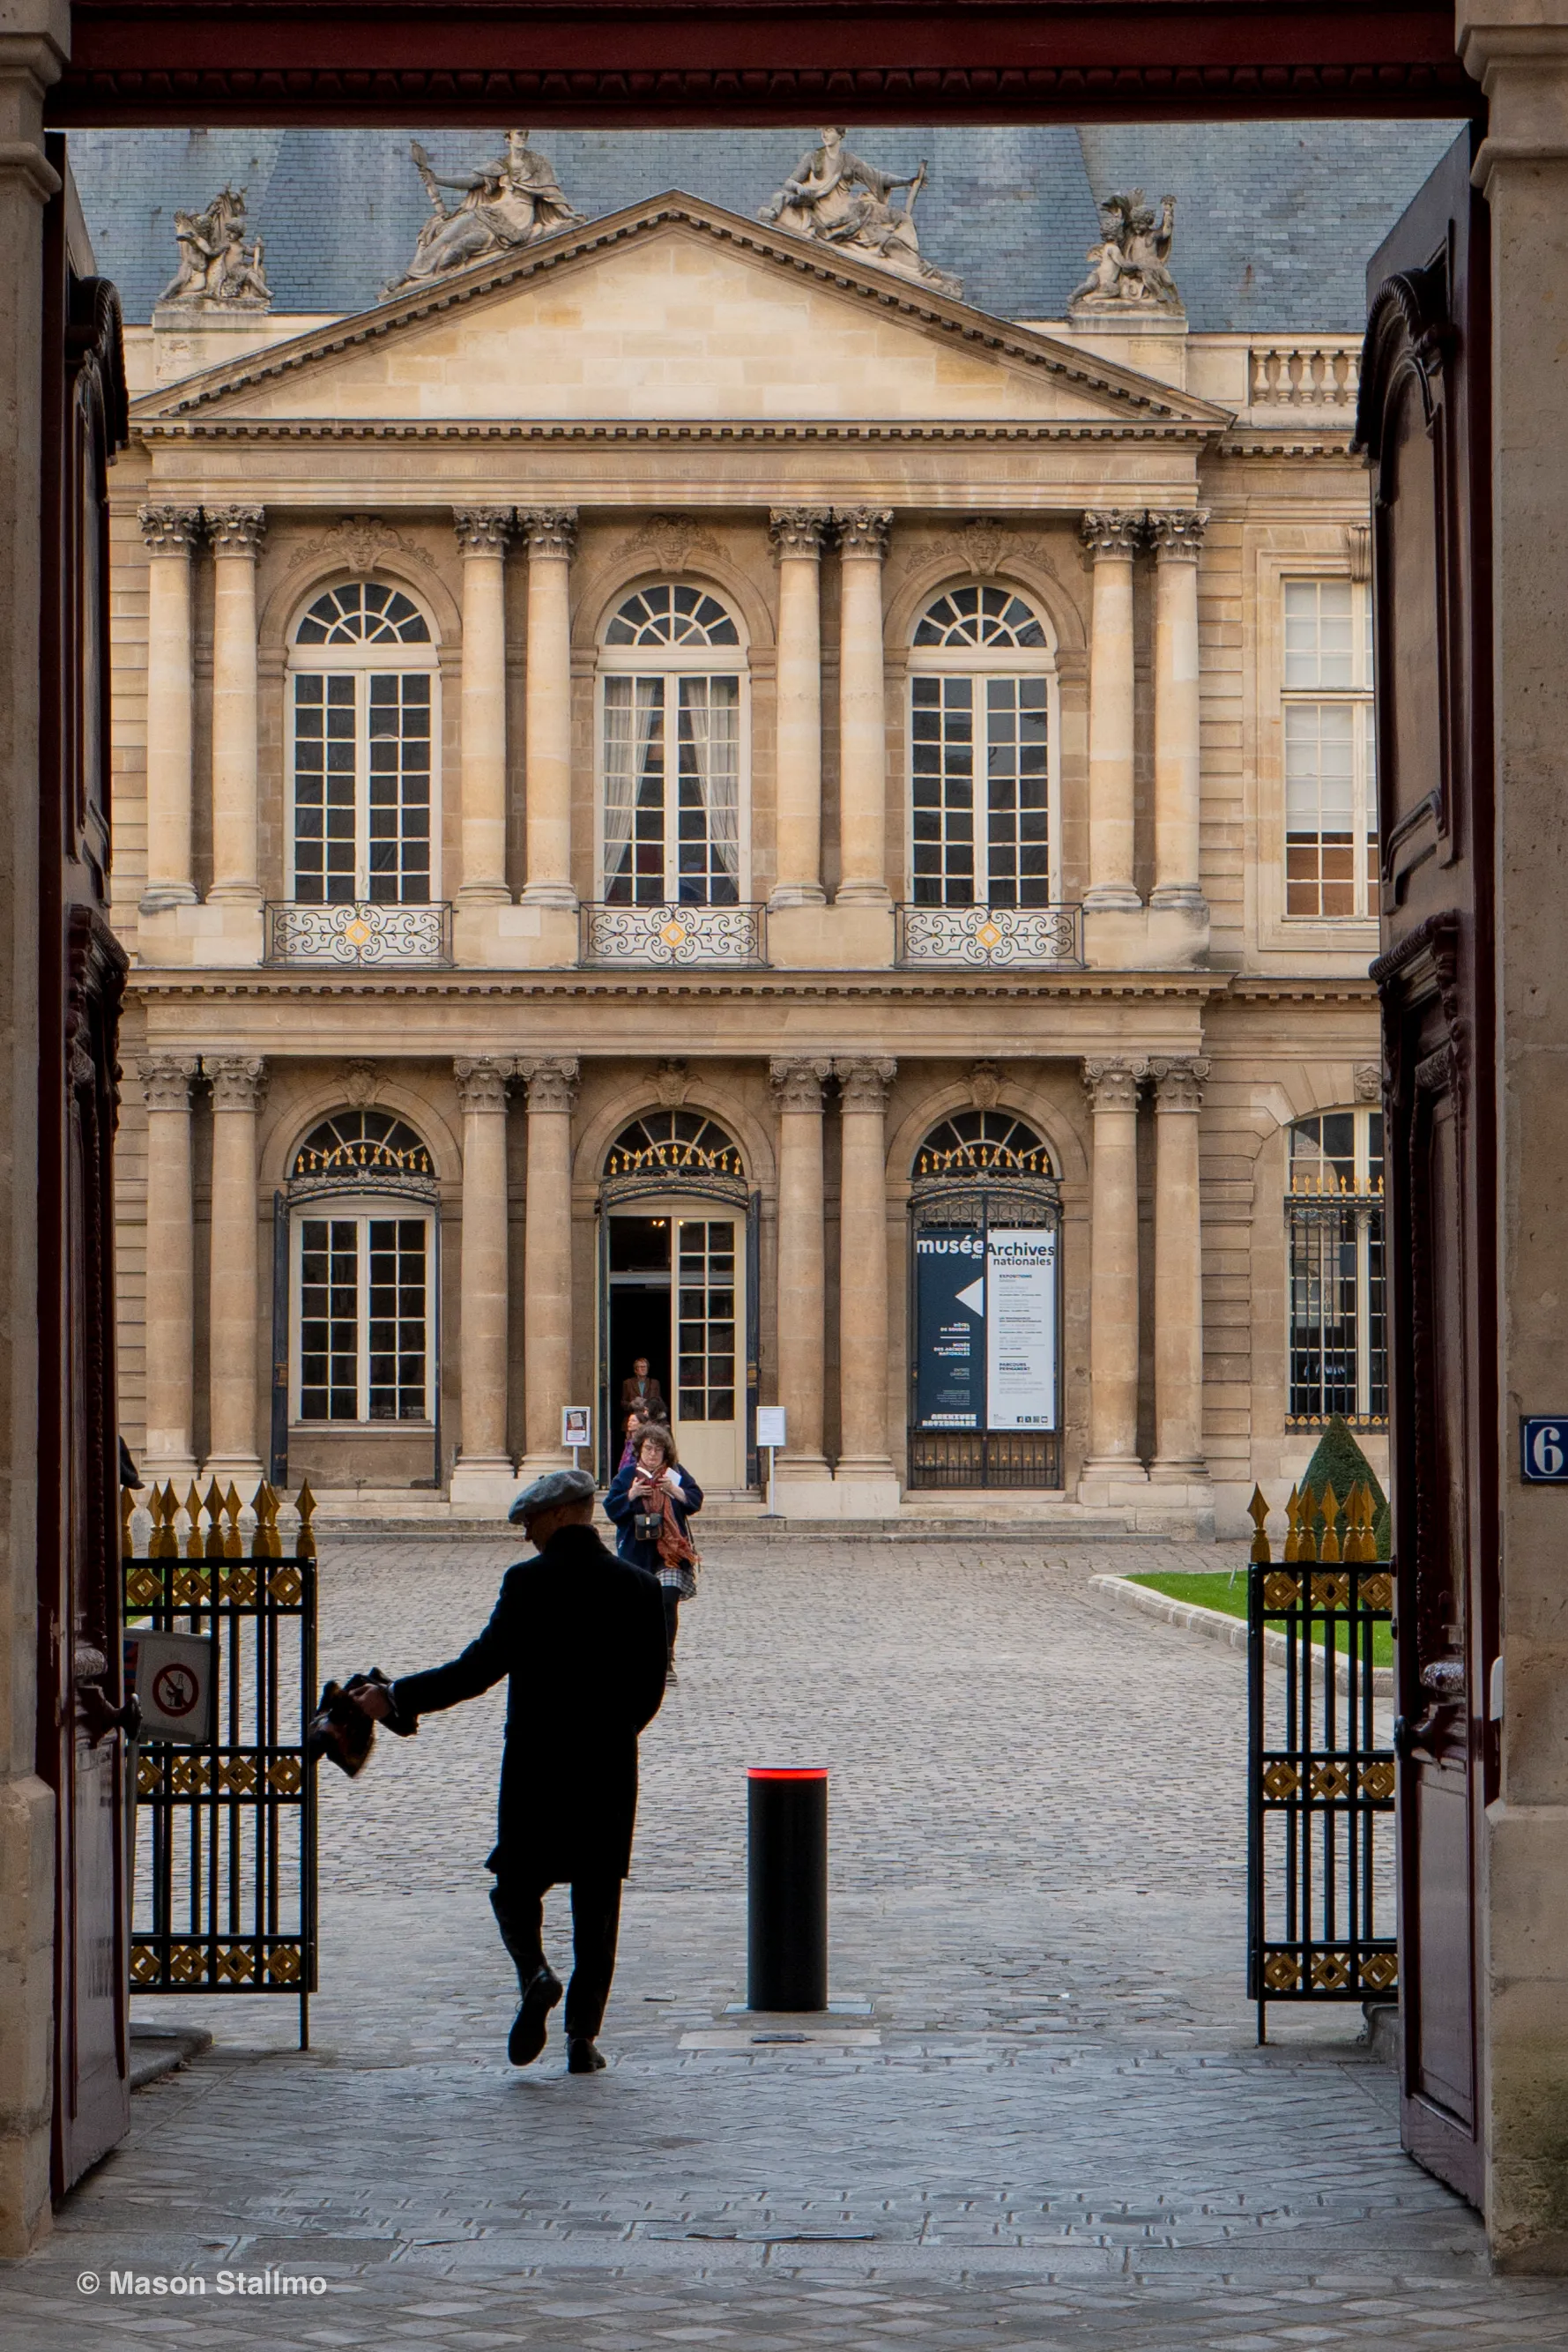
675, 312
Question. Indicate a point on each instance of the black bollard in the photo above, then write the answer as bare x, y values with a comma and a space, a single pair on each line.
787, 1837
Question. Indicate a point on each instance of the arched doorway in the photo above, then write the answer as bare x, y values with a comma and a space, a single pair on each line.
984, 1306
677, 1289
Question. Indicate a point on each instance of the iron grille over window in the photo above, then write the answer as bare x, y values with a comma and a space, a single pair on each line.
982, 1143
1334, 1211
360, 1146
673, 1143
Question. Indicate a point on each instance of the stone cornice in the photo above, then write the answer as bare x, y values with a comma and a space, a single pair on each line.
589, 430
617, 988
936, 314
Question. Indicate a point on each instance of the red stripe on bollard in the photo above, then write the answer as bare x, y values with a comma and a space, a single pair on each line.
786, 1772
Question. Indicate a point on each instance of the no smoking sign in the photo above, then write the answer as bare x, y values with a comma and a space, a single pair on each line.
171, 1675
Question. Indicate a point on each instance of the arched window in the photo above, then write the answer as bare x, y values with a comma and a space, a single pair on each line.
981, 726
983, 1143
362, 1198
672, 751
364, 708
674, 1142
1339, 1318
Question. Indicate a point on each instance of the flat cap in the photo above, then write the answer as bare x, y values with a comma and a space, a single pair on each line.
546, 1494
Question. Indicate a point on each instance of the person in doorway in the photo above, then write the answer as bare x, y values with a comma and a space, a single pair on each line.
641, 1394
634, 1426
651, 1501
582, 1636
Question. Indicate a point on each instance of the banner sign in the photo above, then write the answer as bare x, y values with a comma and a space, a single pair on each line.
1021, 1327
950, 1304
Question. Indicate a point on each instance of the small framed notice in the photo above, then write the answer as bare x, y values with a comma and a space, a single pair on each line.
771, 1425
576, 1426
1543, 1449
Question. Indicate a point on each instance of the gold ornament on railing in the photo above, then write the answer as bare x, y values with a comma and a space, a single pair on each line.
305, 1504
127, 1508
1258, 1512
233, 1547
215, 1504
266, 1543
1328, 1518
193, 1524
1295, 1512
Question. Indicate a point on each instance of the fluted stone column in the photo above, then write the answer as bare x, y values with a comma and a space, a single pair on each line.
1113, 1460
169, 1450
482, 1470
1178, 1273
551, 533
796, 536
864, 1453
1113, 539
482, 536
171, 533
862, 729
236, 535
802, 1307
239, 1087
547, 1260
1178, 542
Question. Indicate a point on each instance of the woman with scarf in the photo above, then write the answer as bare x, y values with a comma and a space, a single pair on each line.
651, 1500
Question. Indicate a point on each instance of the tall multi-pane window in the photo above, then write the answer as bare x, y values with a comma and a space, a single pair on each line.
1339, 1321
1330, 780
980, 727
673, 680
361, 1190
363, 720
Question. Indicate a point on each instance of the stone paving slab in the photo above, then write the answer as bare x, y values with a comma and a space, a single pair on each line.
1064, 2138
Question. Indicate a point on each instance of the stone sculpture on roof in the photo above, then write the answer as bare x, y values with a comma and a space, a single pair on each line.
215, 270
513, 202
835, 198
1130, 269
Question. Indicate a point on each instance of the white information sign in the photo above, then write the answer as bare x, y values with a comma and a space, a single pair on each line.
771, 1425
1021, 1327
576, 1424
171, 1675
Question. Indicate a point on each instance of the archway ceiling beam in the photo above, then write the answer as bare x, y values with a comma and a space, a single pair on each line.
652, 63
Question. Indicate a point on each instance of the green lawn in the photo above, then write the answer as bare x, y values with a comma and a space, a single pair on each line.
1228, 1595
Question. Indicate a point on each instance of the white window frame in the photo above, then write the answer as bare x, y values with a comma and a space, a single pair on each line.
360, 1208
1362, 1117
983, 663
673, 662
362, 661
1356, 698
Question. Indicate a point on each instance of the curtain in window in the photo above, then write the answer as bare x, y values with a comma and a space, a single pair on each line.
711, 710
632, 707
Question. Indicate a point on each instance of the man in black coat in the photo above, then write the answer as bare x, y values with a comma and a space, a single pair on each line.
580, 1635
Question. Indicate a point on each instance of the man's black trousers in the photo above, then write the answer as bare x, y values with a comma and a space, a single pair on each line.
519, 1907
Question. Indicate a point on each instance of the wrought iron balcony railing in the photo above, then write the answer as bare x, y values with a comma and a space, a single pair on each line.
357, 934
678, 935
989, 937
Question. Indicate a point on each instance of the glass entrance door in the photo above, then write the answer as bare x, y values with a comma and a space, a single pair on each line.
675, 1287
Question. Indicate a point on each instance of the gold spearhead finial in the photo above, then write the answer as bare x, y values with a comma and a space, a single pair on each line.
1258, 1511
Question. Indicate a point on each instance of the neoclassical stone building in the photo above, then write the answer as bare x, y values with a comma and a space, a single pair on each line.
681, 793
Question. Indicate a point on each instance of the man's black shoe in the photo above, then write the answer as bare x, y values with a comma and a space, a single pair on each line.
530, 2024
582, 2058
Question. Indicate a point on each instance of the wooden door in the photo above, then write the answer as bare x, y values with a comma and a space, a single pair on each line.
81, 1719
1424, 422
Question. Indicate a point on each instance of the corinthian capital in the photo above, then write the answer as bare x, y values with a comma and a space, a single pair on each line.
169, 531
551, 1084
1178, 1085
864, 1083
482, 530
799, 1083
1113, 1084
1112, 531
548, 531
239, 1081
236, 530
863, 530
166, 1080
1176, 534
481, 1084
797, 530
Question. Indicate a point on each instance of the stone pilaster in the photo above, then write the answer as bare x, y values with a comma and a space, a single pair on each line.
796, 536
550, 536
798, 1086
239, 1088
862, 725
237, 534
482, 1473
1113, 1461
482, 536
547, 1260
168, 1451
1112, 539
863, 1461
1178, 1276
1178, 540
172, 534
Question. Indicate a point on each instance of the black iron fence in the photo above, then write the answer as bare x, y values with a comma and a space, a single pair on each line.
223, 1837
1321, 1881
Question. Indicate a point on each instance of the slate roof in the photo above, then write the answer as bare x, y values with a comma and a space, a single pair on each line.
1275, 221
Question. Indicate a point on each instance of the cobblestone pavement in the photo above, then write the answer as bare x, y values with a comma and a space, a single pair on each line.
1052, 2134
